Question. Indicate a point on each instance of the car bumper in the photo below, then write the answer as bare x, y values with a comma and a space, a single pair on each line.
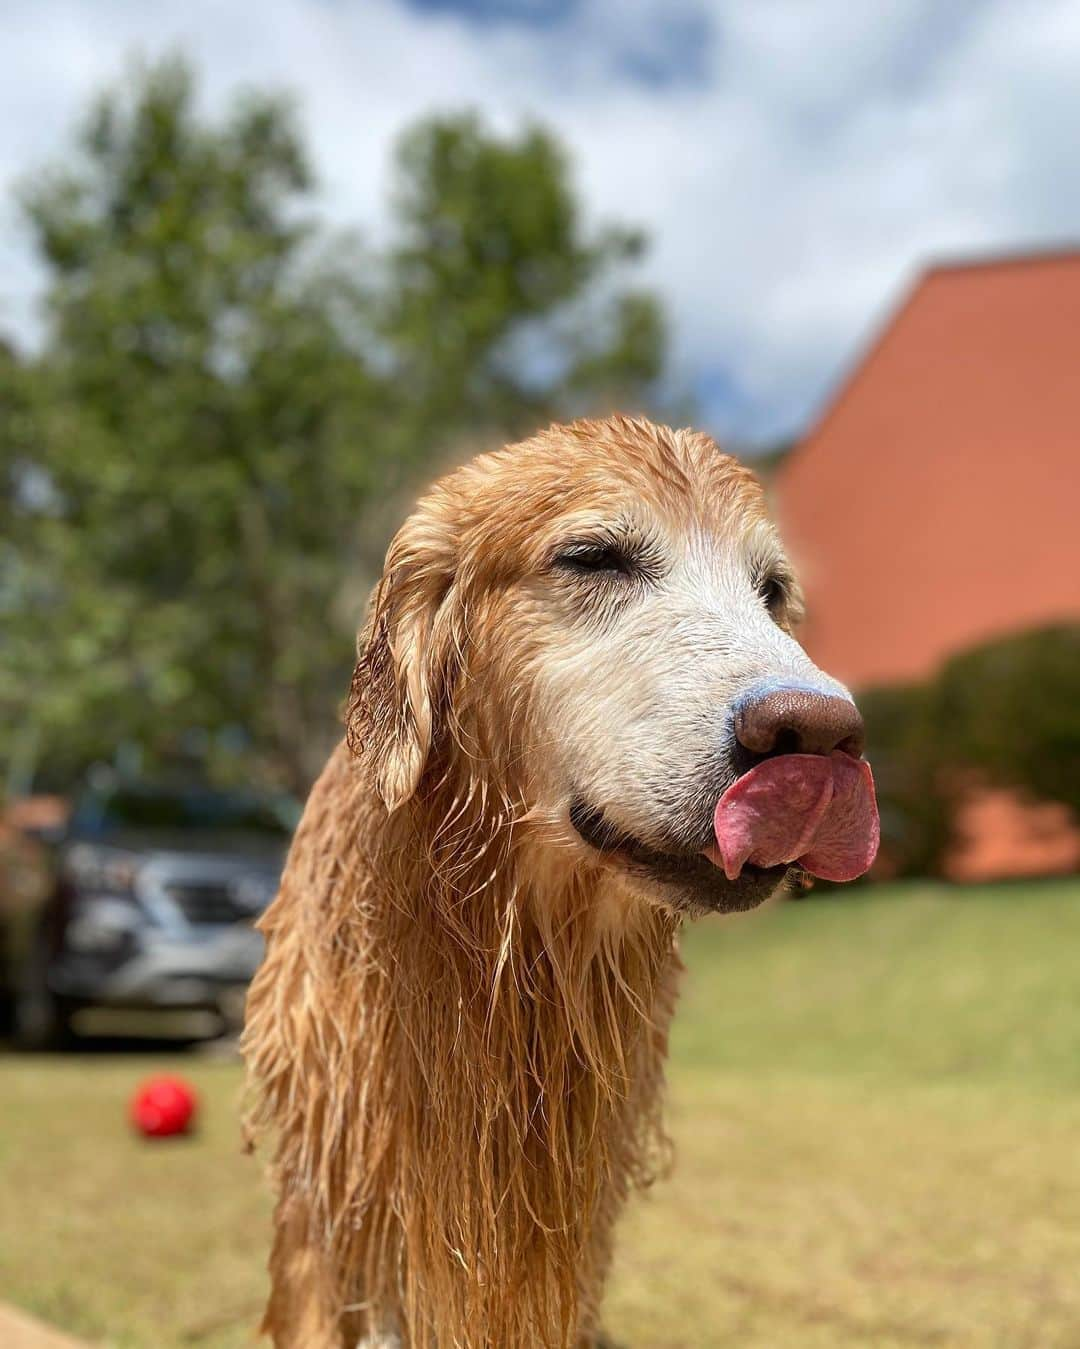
209, 970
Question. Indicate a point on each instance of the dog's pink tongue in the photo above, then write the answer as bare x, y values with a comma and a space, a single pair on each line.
807, 808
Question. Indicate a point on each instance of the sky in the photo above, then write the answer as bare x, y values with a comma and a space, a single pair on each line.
795, 164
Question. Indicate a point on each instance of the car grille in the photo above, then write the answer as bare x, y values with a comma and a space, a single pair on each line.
208, 902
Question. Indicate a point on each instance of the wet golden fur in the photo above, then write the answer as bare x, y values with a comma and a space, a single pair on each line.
457, 1038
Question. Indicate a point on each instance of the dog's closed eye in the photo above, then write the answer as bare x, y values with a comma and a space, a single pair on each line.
593, 558
619, 551
773, 590
779, 592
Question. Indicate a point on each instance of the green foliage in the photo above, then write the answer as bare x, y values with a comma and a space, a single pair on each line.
492, 308
192, 465
902, 745
1005, 713
1010, 712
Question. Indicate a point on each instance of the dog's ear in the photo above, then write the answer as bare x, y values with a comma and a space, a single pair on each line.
401, 669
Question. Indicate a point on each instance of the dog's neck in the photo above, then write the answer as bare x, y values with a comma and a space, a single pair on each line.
500, 1089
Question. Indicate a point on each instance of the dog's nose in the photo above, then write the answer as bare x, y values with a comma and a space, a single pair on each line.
799, 721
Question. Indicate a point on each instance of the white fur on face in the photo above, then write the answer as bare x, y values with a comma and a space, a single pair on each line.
639, 685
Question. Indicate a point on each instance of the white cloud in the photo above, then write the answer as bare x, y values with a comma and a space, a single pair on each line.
794, 163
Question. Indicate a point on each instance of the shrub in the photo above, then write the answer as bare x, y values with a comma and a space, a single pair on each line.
901, 733
1005, 713
1009, 713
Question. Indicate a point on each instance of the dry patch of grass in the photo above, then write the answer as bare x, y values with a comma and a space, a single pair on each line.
876, 1101
822, 1215
120, 1240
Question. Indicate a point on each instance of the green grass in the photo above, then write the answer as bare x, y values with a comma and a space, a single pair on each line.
876, 1102
918, 984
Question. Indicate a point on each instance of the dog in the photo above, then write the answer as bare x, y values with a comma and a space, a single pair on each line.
580, 645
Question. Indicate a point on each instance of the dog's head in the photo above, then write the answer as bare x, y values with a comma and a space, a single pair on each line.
595, 628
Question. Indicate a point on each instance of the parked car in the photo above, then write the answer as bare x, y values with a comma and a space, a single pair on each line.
155, 894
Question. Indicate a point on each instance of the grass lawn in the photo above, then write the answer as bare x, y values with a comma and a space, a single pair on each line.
876, 1100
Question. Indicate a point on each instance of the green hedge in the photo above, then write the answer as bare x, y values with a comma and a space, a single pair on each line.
1005, 713
1010, 712
901, 735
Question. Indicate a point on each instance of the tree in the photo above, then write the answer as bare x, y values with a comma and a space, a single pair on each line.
226, 393
491, 304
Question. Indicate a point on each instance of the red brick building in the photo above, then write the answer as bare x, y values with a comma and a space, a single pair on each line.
936, 503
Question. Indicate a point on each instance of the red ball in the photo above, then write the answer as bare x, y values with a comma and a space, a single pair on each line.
163, 1106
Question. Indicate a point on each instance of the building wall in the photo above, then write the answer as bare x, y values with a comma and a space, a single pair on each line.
937, 502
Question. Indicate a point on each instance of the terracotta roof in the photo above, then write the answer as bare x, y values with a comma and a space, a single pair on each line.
937, 500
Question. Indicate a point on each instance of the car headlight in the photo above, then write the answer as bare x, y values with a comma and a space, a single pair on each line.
110, 870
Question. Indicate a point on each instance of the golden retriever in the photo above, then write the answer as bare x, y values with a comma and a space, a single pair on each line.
457, 1037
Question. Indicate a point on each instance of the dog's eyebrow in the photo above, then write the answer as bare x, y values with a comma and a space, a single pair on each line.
620, 531
599, 530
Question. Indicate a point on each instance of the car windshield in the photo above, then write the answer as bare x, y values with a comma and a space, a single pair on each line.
202, 809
